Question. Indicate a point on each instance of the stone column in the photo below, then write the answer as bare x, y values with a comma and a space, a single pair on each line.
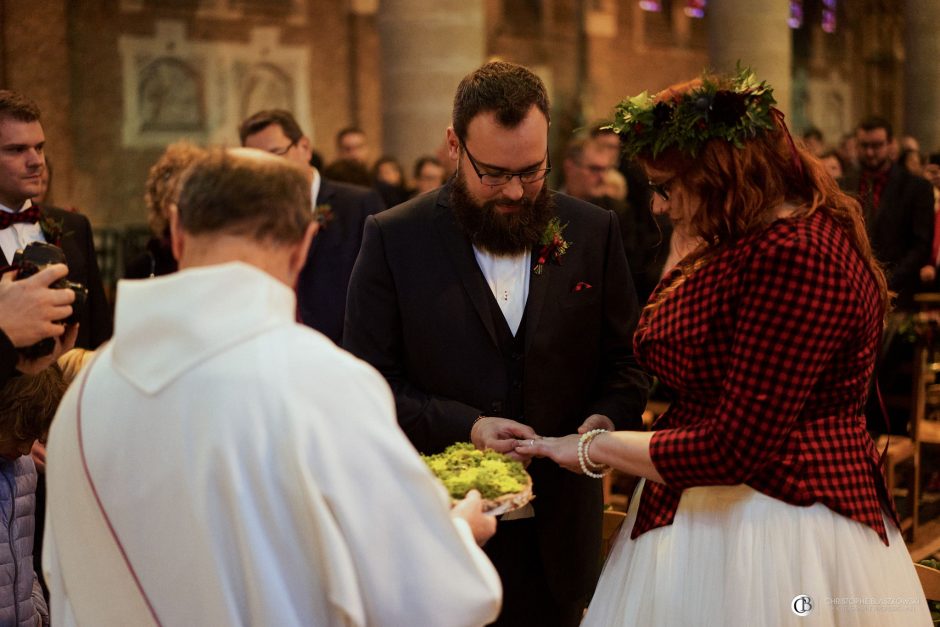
757, 35
426, 48
922, 73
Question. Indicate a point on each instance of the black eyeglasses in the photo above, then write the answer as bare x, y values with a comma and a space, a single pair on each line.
495, 180
280, 152
660, 189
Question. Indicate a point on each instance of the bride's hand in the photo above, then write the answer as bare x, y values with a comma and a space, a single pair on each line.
563, 451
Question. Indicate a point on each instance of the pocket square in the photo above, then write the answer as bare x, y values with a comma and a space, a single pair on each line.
581, 286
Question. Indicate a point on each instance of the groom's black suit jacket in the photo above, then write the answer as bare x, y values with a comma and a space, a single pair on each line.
77, 242
421, 312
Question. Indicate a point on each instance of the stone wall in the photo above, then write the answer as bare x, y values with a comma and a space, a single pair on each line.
118, 79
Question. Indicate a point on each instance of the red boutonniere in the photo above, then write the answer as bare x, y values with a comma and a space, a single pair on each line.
324, 215
553, 245
51, 230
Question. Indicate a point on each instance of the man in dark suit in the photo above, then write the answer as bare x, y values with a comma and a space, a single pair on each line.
488, 334
22, 161
341, 210
898, 209
899, 218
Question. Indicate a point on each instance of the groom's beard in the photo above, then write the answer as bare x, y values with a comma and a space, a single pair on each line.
501, 233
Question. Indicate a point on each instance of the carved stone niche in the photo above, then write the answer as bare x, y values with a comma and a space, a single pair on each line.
166, 86
177, 88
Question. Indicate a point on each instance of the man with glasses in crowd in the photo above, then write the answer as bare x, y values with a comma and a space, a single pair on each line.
341, 210
500, 311
898, 208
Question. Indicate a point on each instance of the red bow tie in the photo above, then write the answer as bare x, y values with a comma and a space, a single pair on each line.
30, 215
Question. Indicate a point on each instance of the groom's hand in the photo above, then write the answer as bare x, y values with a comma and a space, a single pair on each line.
501, 435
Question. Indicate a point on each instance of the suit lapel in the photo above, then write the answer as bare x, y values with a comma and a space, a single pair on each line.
460, 251
888, 194
538, 288
323, 198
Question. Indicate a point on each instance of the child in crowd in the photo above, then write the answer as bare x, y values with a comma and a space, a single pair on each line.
27, 405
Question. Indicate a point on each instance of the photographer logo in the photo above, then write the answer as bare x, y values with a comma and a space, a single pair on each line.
802, 605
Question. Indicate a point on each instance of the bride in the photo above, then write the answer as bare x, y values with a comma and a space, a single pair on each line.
763, 501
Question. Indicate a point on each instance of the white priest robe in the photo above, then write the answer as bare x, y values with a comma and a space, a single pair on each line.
253, 472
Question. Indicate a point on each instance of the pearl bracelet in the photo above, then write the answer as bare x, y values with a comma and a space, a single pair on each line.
583, 443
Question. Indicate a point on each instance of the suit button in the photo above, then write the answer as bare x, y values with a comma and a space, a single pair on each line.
496, 408
517, 385
516, 356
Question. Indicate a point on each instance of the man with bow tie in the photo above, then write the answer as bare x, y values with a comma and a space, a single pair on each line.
22, 160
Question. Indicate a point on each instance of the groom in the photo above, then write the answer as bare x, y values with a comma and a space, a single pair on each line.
487, 334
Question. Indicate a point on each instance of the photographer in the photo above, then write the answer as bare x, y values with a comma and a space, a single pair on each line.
22, 222
28, 311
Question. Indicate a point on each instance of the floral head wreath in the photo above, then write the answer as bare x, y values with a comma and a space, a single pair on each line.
734, 109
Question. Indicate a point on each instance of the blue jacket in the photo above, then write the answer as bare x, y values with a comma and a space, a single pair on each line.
21, 598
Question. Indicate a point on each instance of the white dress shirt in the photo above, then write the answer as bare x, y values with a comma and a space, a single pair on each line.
19, 234
315, 189
508, 278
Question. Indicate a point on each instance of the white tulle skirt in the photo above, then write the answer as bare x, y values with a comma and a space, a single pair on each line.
735, 557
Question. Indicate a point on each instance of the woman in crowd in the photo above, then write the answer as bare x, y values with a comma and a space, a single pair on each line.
388, 178
161, 191
763, 498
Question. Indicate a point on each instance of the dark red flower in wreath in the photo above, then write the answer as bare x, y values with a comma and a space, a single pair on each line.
728, 107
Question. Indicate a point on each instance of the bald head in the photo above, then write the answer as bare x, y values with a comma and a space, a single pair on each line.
245, 192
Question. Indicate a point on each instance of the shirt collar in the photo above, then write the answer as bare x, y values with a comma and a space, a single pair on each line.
315, 187
26, 205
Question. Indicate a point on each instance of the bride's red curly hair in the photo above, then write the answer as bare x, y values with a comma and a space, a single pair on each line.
740, 189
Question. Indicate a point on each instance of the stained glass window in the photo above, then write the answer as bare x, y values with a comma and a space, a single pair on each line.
796, 14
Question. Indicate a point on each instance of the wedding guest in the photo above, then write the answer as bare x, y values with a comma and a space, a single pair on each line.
219, 463
813, 141
22, 222
388, 178
352, 144
429, 174
27, 405
928, 273
761, 483
615, 185
161, 191
833, 164
912, 161
341, 210
898, 209
388, 171
348, 171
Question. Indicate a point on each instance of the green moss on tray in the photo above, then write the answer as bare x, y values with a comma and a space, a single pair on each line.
461, 467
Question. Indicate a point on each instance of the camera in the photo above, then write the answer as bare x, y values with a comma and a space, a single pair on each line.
29, 261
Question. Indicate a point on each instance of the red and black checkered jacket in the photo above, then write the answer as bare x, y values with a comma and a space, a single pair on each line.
769, 348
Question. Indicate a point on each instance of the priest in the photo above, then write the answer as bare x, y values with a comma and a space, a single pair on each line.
220, 464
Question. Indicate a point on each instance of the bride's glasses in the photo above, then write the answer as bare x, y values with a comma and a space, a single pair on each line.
660, 189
